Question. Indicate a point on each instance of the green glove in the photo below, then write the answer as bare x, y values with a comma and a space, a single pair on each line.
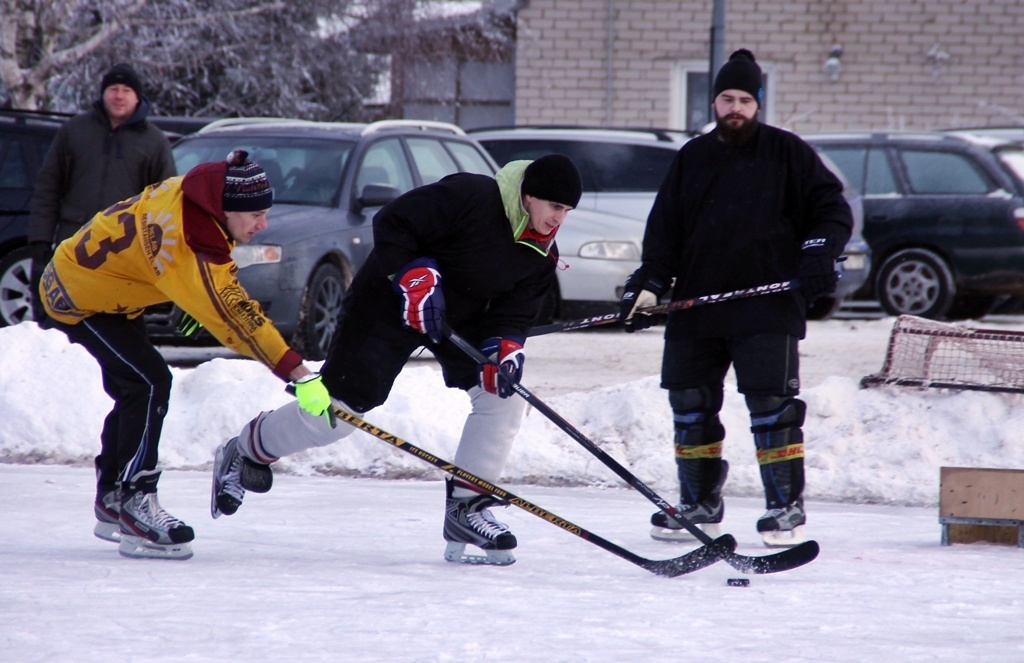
188, 325
314, 398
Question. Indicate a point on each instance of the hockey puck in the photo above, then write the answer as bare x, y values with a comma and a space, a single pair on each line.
738, 582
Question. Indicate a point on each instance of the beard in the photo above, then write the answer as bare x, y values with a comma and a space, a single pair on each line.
737, 135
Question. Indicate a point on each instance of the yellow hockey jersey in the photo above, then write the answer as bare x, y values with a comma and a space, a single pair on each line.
168, 243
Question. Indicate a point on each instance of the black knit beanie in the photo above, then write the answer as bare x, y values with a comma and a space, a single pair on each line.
553, 177
741, 72
246, 187
122, 74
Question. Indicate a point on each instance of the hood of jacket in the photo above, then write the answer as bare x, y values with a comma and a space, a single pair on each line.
510, 181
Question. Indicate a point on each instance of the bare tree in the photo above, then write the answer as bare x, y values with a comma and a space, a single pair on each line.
198, 57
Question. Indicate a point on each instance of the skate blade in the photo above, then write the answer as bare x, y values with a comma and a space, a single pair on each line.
455, 552
218, 462
714, 530
139, 548
787, 539
107, 531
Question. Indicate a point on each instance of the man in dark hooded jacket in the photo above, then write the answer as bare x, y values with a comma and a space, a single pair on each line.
743, 206
99, 157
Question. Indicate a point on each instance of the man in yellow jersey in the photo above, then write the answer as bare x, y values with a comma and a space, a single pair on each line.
172, 242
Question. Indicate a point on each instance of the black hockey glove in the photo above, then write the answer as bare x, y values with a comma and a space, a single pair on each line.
818, 275
640, 291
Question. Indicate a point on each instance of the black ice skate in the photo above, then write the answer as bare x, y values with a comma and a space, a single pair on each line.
146, 529
783, 527
233, 474
706, 514
468, 520
108, 515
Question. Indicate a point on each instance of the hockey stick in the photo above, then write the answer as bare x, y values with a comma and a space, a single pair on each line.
780, 561
694, 560
667, 307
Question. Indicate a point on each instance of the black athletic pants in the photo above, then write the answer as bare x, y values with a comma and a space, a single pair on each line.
137, 378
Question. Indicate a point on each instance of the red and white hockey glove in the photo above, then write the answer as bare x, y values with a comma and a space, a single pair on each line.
419, 283
509, 355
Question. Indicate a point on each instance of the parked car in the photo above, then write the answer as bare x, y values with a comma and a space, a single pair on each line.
329, 180
622, 169
943, 215
25, 138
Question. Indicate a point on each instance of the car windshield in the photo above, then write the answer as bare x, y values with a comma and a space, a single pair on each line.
1013, 159
303, 171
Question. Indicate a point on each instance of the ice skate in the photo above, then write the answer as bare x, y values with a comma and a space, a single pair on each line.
707, 515
783, 527
107, 508
468, 520
146, 529
233, 474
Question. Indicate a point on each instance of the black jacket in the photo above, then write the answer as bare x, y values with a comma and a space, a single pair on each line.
727, 218
90, 166
493, 285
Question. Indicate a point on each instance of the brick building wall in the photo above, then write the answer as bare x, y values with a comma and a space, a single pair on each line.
906, 64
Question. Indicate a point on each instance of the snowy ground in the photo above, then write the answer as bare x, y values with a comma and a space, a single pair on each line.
341, 562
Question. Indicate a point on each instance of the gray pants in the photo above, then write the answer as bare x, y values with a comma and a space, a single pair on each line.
486, 440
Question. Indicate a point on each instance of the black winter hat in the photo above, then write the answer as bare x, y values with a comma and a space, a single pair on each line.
553, 177
122, 74
246, 187
741, 72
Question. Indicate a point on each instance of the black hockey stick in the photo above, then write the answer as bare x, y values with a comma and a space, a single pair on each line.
667, 307
694, 560
784, 560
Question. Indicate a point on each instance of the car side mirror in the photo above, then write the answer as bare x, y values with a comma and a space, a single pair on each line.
375, 195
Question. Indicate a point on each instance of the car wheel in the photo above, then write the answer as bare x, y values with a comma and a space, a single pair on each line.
319, 315
16, 287
823, 308
916, 282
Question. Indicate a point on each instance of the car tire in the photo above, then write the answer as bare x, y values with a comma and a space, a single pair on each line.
823, 308
320, 312
916, 282
16, 287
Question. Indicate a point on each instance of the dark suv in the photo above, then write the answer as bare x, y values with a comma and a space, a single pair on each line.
943, 215
329, 180
25, 138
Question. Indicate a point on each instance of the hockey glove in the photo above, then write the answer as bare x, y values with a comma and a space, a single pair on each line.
419, 283
313, 397
818, 275
509, 355
640, 292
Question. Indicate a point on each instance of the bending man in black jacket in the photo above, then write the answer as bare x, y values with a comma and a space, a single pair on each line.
745, 205
474, 251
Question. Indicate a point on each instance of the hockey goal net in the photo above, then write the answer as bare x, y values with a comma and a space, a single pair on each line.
925, 353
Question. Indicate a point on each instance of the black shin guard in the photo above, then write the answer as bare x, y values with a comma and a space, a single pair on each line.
780, 452
698, 443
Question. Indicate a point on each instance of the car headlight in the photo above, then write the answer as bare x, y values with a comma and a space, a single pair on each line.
610, 251
246, 255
